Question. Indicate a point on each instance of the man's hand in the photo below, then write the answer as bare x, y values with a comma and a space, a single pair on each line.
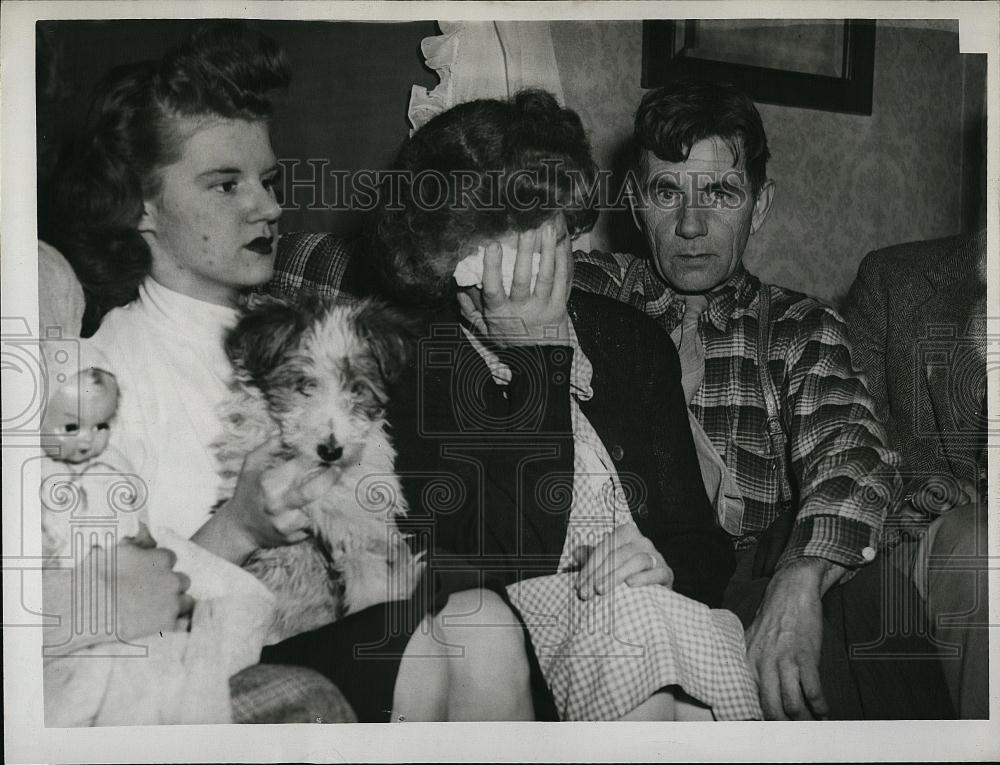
527, 316
623, 555
264, 511
784, 641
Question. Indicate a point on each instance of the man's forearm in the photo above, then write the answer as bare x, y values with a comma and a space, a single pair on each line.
811, 574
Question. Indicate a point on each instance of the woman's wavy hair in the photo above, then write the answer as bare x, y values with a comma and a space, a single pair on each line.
478, 170
96, 198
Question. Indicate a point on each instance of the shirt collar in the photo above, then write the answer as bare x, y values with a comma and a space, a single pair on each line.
736, 293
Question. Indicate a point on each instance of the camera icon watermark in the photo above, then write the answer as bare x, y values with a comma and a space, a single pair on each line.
953, 363
31, 366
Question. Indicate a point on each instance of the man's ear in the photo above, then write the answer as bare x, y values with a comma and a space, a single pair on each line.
762, 205
147, 223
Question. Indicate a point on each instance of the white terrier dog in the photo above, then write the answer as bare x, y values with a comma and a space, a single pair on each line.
317, 375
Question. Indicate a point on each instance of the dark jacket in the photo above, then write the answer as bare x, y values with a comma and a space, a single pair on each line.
915, 315
488, 469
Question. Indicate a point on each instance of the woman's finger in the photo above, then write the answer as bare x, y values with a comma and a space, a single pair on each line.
562, 279
313, 487
259, 459
638, 556
581, 555
585, 577
603, 556
527, 242
471, 313
627, 562
661, 574
493, 295
546, 264
291, 523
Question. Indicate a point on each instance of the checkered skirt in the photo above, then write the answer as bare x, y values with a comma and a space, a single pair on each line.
604, 656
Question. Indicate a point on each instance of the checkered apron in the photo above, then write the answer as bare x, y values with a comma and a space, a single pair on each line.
604, 656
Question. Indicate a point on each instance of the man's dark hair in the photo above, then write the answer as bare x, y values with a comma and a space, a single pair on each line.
671, 119
224, 70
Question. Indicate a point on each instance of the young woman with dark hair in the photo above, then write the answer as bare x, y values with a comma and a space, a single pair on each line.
167, 212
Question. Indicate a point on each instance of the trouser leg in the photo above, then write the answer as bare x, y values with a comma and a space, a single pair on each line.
951, 564
878, 661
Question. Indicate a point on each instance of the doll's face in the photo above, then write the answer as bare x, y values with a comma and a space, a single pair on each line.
77, 419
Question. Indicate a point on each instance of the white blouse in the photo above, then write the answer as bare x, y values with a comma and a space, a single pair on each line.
166, 349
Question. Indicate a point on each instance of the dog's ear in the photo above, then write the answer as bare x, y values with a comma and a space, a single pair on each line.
389, 333
263, 337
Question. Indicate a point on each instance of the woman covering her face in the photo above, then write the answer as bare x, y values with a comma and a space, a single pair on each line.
555, 420
167, 212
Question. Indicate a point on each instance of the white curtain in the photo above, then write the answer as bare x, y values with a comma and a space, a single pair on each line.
484, 59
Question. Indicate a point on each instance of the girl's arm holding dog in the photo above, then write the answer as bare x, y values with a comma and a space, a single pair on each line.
261, 512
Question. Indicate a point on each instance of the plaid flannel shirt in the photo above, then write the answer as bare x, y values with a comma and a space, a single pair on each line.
846, 476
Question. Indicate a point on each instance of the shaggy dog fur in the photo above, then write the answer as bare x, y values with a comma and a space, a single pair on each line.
318, 376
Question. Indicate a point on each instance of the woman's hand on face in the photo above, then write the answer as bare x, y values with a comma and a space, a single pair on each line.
528, 316
623, 555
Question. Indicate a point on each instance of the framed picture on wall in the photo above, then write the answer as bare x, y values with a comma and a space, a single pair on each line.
816, 64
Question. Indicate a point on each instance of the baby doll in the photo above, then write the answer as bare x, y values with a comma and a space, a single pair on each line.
88, 488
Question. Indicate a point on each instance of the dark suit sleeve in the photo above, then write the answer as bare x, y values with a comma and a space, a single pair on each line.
866, 314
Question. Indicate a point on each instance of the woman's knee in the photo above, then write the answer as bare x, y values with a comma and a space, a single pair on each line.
481, 608
488, 631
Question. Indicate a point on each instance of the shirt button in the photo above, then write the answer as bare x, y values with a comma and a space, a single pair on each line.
868, 554
617, 452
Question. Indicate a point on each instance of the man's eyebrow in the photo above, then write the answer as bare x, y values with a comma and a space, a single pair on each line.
665, 180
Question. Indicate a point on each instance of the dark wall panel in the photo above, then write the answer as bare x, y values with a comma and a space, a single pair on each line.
346, 106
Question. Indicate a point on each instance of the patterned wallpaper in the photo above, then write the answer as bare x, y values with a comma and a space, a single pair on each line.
846, 184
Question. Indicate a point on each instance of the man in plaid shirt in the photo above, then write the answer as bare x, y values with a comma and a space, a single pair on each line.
700, 192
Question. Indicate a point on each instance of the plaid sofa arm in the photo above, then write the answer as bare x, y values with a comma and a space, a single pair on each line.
320, 264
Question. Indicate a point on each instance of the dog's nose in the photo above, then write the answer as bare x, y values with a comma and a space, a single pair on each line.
329, 450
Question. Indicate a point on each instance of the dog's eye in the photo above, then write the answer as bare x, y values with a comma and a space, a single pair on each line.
358, 389
305, 386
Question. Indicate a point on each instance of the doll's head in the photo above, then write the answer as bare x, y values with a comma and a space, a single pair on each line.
77, 421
